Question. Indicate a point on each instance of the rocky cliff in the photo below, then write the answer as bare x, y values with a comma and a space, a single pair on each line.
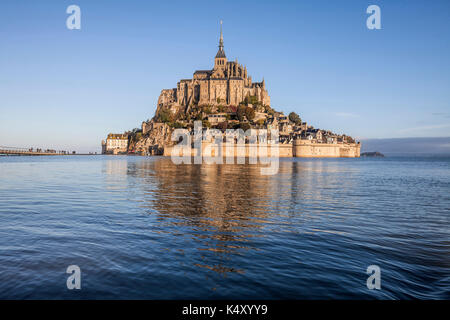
157, 136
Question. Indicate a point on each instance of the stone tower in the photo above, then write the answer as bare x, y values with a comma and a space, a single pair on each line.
220, 62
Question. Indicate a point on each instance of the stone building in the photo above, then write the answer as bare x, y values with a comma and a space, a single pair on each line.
228, 83
115, 143
217, 118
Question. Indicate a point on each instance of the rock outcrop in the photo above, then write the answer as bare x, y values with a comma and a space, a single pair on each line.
156, 137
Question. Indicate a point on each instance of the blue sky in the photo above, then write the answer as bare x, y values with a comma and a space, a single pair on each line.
67, 89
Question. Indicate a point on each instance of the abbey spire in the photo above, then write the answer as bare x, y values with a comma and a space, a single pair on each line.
221, 52
221, 60
221, 37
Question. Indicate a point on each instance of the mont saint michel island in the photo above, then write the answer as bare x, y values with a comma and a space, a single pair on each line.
226, 97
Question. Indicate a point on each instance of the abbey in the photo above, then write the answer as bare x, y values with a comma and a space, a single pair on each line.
228, 83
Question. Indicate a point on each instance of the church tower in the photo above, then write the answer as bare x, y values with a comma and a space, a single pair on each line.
220, 61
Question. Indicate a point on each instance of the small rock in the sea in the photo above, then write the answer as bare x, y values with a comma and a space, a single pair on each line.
372, 154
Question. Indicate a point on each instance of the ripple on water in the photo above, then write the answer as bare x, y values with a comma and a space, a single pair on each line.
146, 228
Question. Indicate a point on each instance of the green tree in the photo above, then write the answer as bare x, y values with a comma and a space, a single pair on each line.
240, 113
207, 109
222, 126
250, 113
245, 126
269, 110
253, 100
198, 116
295, 118
138, 136
176, 125
164, 115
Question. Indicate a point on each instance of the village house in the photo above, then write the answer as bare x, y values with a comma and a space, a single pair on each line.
217, 118
115, 143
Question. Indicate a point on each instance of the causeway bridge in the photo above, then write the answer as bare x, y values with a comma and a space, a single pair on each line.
13, 151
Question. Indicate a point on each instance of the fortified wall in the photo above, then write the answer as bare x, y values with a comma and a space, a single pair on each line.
299, 149
306, 148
